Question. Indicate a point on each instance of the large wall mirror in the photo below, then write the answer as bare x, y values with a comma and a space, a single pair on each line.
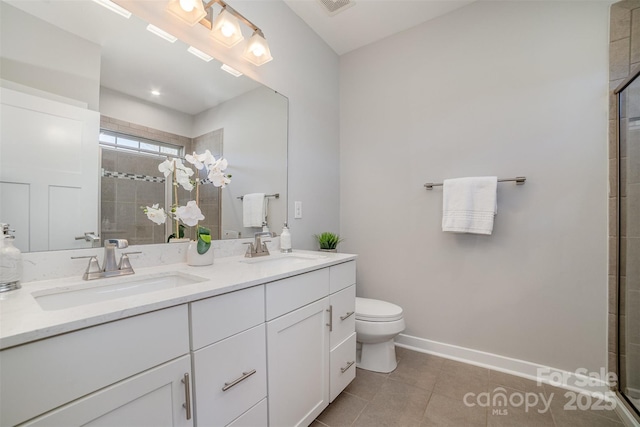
84, 130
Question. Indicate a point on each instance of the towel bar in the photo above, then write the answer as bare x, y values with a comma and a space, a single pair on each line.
519, 181
277, 196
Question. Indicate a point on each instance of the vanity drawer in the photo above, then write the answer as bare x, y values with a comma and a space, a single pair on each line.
342, 366
254, 417
218, 366
342, 275
290, 294
45, 374
343, 307
217, 318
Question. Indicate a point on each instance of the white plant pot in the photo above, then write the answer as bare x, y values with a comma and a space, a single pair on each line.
196, 259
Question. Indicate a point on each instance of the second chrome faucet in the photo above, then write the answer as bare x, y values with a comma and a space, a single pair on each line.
109, 266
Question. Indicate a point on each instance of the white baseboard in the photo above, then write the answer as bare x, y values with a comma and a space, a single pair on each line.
521, 368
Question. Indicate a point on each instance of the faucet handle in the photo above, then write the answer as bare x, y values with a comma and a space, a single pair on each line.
124, 263
92, 269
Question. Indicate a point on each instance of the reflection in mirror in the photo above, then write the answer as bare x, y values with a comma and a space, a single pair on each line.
90, 72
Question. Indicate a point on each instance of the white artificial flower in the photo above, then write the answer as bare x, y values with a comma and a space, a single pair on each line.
183, 175
195, 159
189, 214
218, 179
156, 214
166, 167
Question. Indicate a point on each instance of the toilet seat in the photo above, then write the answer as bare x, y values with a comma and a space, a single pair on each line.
373, 310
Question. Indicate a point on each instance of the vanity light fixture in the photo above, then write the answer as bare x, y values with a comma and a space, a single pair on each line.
161, 33
225, 28
231, 70
200, 54
257, 50
188, 11
114, 8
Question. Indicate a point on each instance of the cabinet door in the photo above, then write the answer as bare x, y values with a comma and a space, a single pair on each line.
298, 365
155, 398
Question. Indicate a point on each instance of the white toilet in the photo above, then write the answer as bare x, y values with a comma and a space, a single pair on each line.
377, 324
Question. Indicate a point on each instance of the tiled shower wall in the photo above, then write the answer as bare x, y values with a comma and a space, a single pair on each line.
624, 59
122, 198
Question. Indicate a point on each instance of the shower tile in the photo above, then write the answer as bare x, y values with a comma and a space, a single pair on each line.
613, 331
620, 23
443, 411
635, 35
144, 231
108, 159
613, 135
623, 216
107, 189
632, 253
624, 134
613, 216
612, 366
613, 294
619, 59
613, 265
613, 177
623, 335
149, 193
125, 190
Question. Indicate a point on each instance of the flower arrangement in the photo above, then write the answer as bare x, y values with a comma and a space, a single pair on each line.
189, 214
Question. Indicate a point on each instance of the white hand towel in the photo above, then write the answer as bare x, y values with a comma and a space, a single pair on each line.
253, 210
469, 204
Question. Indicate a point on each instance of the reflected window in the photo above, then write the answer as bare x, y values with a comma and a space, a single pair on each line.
120, 141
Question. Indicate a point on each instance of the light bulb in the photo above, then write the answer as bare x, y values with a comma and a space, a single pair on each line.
258, 50
187, 5
227, 29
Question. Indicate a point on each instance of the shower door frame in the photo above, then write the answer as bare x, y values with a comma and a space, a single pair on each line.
618, 387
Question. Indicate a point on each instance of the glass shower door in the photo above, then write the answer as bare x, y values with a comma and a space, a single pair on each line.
629, 244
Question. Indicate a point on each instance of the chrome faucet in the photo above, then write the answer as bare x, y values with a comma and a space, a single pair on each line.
258, 247
110, 267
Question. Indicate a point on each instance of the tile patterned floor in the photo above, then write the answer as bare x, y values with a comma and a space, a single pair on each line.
427, 391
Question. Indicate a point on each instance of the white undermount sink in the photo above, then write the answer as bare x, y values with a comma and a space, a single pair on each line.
282, 259
107, 289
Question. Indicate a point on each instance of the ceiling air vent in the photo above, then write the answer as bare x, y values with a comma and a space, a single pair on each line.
333, 7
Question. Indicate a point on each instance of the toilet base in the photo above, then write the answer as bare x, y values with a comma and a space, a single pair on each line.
379, 357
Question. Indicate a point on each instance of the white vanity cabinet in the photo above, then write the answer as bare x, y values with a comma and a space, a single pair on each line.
125, 360
229, 359
300, 331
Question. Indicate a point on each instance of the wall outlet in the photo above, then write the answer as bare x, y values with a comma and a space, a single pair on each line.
297, 214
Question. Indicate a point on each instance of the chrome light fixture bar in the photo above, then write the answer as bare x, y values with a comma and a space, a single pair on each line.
225, 28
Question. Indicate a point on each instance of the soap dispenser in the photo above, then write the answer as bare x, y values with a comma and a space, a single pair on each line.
285, 240
10, 261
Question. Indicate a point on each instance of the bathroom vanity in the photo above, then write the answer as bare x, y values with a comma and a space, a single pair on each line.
252, 342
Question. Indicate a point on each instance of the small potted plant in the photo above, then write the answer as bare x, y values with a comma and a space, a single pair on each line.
328, 241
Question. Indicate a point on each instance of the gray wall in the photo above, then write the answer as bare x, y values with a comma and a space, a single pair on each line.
494, 88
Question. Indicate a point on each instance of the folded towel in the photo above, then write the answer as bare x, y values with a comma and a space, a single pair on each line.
253, 210
469, 204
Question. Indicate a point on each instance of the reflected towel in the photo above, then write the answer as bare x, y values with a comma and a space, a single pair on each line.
469, 204
253, 210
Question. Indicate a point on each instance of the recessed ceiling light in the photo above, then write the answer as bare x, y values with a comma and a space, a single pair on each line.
231, 70
155, 92
161, 33
114, 8
200, 54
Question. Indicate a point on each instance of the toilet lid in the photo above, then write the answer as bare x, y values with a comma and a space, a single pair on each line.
374, 310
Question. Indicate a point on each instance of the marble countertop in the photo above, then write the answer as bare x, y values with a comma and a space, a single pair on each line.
23, 320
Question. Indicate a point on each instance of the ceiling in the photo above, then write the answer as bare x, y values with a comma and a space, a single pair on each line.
368, 21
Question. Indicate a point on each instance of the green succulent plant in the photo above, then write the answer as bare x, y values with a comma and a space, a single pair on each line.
328, 240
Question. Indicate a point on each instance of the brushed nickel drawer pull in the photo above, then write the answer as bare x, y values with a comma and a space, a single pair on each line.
244, 376
187, 394
349, 364
346, 316
330, 324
